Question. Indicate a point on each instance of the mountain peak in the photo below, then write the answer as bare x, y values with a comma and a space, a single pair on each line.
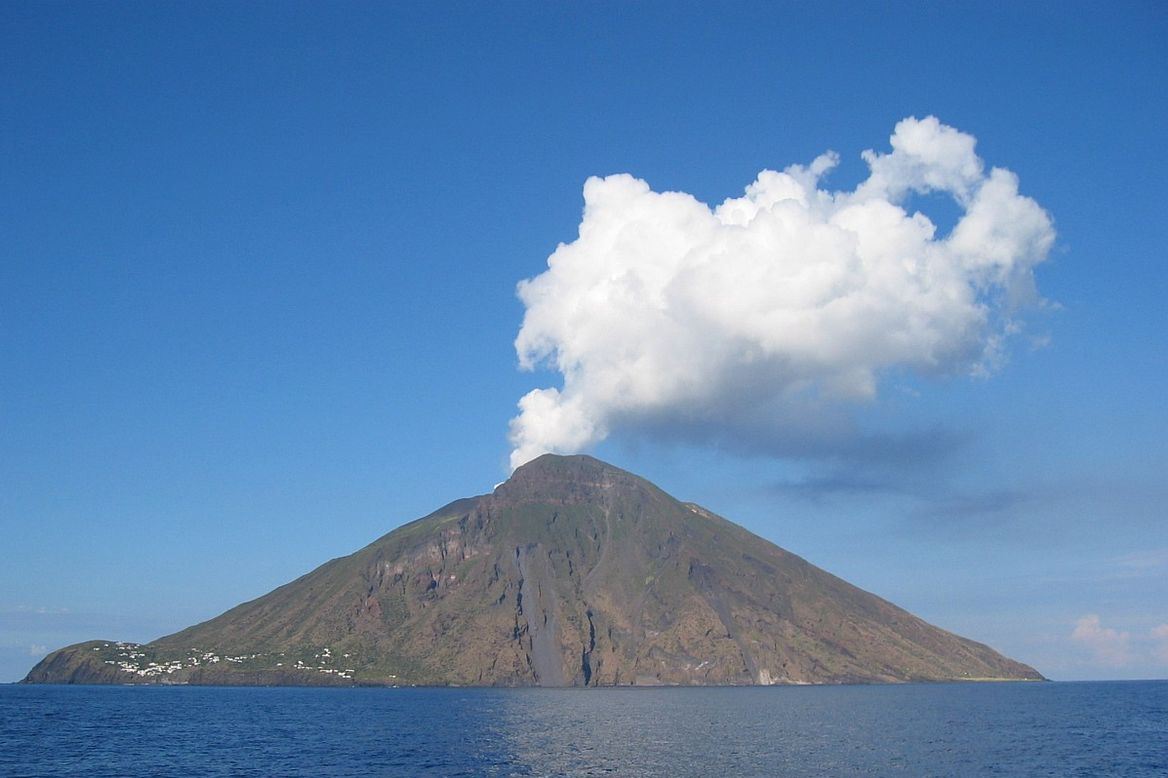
570, 478
569, 465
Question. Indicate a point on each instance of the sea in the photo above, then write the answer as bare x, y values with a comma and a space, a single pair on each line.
1012, 729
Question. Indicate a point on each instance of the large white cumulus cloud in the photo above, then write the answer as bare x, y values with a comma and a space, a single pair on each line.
665, 312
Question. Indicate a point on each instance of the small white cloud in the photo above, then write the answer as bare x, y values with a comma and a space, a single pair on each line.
1160, 643
761, 315
37, 650
1109, 646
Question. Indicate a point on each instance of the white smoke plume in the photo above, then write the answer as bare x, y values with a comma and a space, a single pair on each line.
668, 314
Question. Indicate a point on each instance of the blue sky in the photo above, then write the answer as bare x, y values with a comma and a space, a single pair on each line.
258, 270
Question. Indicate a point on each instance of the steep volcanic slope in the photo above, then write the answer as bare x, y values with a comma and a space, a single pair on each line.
573, 572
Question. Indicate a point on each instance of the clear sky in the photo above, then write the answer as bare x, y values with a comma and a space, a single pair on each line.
258, 296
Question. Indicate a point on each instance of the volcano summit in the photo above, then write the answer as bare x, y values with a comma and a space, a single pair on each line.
571, 573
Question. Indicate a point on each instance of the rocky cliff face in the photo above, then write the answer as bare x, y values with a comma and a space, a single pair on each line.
573, 572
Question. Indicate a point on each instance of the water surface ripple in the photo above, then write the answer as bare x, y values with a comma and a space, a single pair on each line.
1024, 729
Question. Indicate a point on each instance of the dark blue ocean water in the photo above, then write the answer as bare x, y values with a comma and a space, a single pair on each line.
1056, 729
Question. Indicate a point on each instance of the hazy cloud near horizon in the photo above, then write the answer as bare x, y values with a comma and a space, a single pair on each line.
1118, 648
758, 322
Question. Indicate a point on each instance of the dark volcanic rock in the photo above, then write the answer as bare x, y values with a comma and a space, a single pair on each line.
573, 572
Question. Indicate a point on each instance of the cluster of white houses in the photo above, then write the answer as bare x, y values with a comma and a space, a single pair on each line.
131, 659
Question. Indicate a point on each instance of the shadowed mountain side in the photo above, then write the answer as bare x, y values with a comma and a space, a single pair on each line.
573, 572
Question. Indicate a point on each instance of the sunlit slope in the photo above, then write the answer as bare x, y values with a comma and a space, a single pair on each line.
573, 572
